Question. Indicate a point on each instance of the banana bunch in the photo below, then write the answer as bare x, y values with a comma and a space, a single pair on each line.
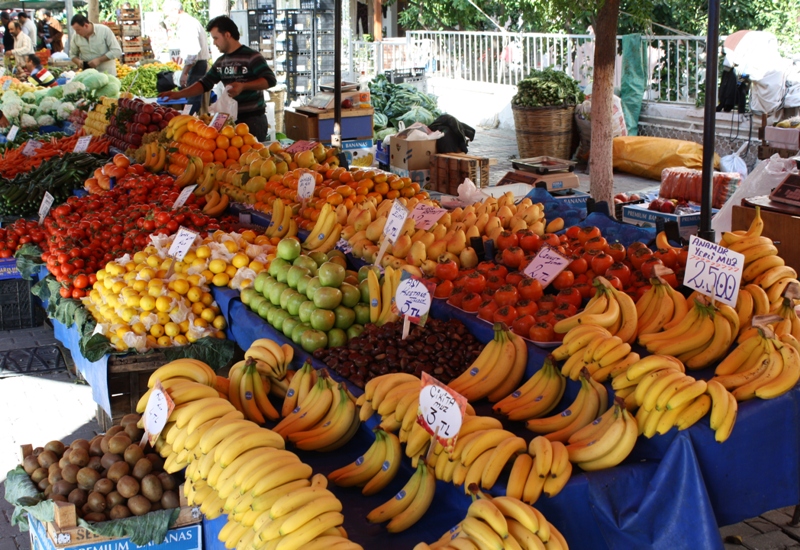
536, 397
544, 469
382, 295
626, 383
282, 223
180, 370
155, 157
375, 469
481, 456
325, 233
659, 308
700, 338
319, 415
593, 348
789, 323
445, 462
410, 504
751, 301
497, 370
271, 358
216, 203
190, 175
591, 402
176, 123
248, 391
668, 398
605, 443
609, 308
497, 523
208, 180
763, 365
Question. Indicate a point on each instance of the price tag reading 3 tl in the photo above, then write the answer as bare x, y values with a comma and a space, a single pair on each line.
159, 407
184, 240
44, 208
713, 270
546, 266
82, 144
394, 223
441, 411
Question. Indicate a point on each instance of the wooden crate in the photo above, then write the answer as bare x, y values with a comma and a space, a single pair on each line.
765, 152
127, 383
448, 171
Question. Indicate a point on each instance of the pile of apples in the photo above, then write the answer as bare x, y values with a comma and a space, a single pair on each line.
133, 119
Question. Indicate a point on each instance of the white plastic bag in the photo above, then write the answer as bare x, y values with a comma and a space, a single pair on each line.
225, 103
734, 162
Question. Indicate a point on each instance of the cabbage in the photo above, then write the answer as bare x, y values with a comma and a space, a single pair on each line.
57, 92
29, 97
380, 136
111, 89
417, 114
379, 121
92, 79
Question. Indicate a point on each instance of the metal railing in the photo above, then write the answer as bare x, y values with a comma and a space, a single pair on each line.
676, 63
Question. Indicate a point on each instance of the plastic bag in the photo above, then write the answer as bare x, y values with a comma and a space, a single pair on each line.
648, 156
225, 103
761, 181
687, 184
734, 162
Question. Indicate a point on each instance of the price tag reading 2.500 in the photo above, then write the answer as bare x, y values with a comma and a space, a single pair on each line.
441, 411
713, 270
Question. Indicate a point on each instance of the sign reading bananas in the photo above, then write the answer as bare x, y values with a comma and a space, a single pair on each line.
159, 407
713, 270
546, 266
441, 411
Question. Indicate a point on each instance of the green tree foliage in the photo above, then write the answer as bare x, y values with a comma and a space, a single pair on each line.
196, 8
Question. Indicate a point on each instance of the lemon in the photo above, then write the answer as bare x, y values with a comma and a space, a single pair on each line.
203, 252
138, 328
163, 317
146, 274
217, 266
208, 314
181, 340
256, 266
150, 249
140, 257
139, 285
240, 260
155, 291
219, 335
199, 263
219, 322
261, 240
166, 264
163, 303
231, 246
246, 283
194, 294
108, 283
147, 303
208, 299
130, 266
184, 325
113, 301
174, 295
198, 307
153, 261
94, 295
165, 341
117, 287
161, 273
101, 274
249, 236
190, 257
194, 280
122, 331
191, 338
127, 314
157, 330
129, 277
221, 279
207, 274
172, 329
182, 286
201, 323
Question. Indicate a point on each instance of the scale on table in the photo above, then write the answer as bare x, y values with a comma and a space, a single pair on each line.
555, 175
788, 191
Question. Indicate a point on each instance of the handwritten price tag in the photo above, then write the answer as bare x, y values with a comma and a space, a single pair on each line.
713, 270
344, 246
159, 406
441, 411
12, 133
245, 218
426, 216
187, 109
546, 266
219, 121
184, 240
44, 208
82, 144
184, 196
412, 299
394, 223
305, 186
31, 147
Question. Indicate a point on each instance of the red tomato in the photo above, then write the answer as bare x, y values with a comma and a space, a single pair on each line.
507, 239
487, 309
513, 257
530, 241
621, 271
530, 289
506, 314
601, 262
81, 281
471, 302
569, 296
443, 289
506, 295
565, 309
542, 332
522, 325
588, 232
578, 265
668, 257
474, 282
446, 270
65, 291
526, 307
563, 280
617, 251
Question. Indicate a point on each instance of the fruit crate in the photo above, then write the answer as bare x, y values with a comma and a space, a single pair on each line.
317, 4
326, 62
325, 21
293, 63
294, 20
448, 171
260, 4
18, 307
326, 42
261, 17
295, 41
398, 76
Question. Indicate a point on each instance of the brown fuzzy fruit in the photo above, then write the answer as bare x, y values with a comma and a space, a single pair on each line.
170, 499
95, 517
95, 463
158, 462
156, 506
151, 488
86, 478
39, 474
139, 505
142, 468
130, 419
113, 499
97, 502
109, 459
45, 486
128, 487
30, 463
63, 462
54, 474
94, 446
133, 431
46, 458
77, 497
112, 431
104, 486
58, 498
70, 473
118, 470
119, 443
55, 446
79, 456
80, 444
119, 511
167, 481
133, 454
38, 450
63, 488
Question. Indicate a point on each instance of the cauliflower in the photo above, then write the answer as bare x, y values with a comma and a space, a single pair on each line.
28, 108
65, 110
73, 87
11, 110
46, 120
29, 97
49, 104
28, 121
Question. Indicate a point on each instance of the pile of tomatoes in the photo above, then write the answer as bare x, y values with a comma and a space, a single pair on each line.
20, 232
498, 291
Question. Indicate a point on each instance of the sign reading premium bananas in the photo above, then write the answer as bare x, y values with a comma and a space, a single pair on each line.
184, 196
546, 266
714, 270
441, 411
159, 407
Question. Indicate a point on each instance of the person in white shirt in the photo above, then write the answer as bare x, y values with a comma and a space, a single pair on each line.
28, 27
22, 44
193, 44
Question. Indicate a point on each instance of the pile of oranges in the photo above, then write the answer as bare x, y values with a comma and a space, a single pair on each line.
203, 141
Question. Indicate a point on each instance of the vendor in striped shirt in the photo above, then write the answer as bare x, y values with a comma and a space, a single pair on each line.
38, 75
243, 71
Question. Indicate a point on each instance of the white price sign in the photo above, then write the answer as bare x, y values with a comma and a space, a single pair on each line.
12, 133
187, 109
343, 246
7, 84
412, 298
394, 223
156, 414
218, 121
31, 147
305, 186
184, 196
441, 410
425, 216
184, 239
245, 218
44, 208
546, 266
713, 270
82, 144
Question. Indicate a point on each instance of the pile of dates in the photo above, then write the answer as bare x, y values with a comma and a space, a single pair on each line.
443, 349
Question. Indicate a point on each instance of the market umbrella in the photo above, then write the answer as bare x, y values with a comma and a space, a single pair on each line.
38, 4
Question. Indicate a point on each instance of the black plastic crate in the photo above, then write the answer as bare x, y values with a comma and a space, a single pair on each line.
326, 42
317, 4
325, 21
398, 76
296, 42
294, 20
260, 4
326, 62
18, 307
293, 62
259, 18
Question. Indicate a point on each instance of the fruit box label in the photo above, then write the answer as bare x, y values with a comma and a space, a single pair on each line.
352, 144
8, 269
189, 537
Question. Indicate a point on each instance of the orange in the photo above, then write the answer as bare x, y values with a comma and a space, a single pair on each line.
245, 148
335, 199
237, 141
242, 129
223, 142
228, 163
258, 146
220, 155
228, 131
382, 188
233, 153
250, 139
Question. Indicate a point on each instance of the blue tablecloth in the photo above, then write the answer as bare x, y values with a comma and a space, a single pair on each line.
95, 373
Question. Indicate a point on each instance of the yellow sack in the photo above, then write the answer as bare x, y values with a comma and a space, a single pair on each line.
648, 156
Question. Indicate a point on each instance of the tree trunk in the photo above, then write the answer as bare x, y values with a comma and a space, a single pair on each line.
601, 169
93, 11
377, 22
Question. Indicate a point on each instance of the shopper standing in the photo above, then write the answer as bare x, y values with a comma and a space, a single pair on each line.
55, 33
8, 38
28, 27
22, 44
94, 46
193, 42
243, 71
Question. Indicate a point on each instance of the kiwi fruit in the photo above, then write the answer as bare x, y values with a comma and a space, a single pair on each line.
67, 453
119, 443
70, 473
86, 478
58, 498
132, 418
167, 481
46, 458
79, 457
128, 487
95, 517
63, 462
30, 464
94, 446
80, 444
44, 485
170, 499
139, 505
95, 464
77, 497
118, 470
109, 459
158, 462
151, 488
63, 487
133, 431
85, 510
54, 474
119, 511
97, 502
132, 454
155, 506
55, 446
37, 451
104, 486
39, 474
113, 499
112, 431
142, 468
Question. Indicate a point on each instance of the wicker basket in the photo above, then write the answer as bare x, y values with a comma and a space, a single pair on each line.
544, 131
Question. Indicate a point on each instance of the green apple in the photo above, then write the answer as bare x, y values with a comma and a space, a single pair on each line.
312, 340
283, 272
337, 338
288, 326
289, 249
363, 288
279, 317
308, 263
306, 309
268, 284
354, 331
256, 301
327, 297
261, 278
362, 313
275, 293
362, 273
312, 287
247, 295
264, 309
331, 274
286, 295
271, 313
294, 275
298, 331
337, 252
322, 319
350, 295
345, 317
294, 303
319, 257
302, 283
275, 265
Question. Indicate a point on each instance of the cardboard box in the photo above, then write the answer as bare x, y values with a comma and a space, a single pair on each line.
638, 214
576, 198
359, 152
783, 138
411, 155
